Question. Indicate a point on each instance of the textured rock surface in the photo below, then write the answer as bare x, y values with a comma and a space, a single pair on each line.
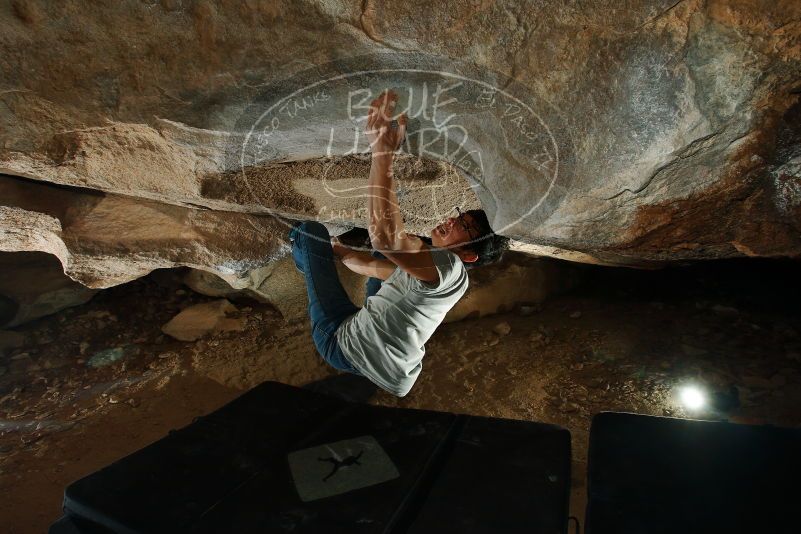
657, 131
33, 285
103, 239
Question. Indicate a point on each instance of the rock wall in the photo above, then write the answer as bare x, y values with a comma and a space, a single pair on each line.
34, 285
104, 239
633, 133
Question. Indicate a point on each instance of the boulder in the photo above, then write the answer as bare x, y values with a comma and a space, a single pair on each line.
34, 285
104, 240
518, 280
202, 320
632, 134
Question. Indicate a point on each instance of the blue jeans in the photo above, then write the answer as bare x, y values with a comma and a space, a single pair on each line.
329, 304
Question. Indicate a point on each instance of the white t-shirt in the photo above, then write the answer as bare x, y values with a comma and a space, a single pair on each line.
385, 339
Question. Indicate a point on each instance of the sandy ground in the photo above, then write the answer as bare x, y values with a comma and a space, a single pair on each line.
624, 342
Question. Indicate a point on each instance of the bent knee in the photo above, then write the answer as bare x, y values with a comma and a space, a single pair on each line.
313, 228
309, 229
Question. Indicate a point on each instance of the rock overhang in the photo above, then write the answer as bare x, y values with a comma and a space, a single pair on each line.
662, 132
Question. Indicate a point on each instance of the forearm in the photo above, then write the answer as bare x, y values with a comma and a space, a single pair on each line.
367, 265
385, 221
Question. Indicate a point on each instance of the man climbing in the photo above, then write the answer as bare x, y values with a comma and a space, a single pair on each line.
411, 285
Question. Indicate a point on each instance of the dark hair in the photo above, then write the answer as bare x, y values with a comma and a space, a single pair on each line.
488, 246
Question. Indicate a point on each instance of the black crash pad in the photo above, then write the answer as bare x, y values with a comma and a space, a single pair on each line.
662, 475
284, 459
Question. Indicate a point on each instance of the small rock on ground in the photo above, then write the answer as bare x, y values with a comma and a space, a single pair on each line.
502, 329
201, 320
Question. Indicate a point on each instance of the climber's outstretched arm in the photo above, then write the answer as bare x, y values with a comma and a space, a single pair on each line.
387, 234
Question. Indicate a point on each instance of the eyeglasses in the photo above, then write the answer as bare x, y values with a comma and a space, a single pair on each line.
464, 224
